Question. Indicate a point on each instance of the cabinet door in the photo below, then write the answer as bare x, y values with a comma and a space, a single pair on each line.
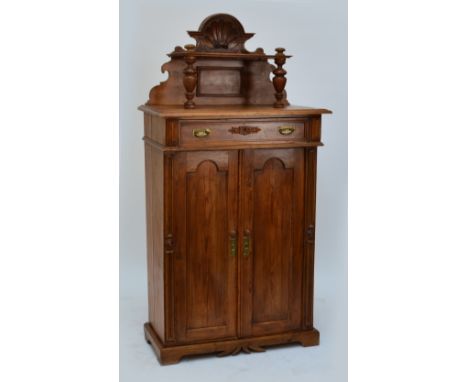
271, 230
205, 225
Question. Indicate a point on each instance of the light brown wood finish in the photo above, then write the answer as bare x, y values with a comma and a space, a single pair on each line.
272, 206
309, 243
209, 294
168, 355
220, 68
231, 111
279, 81
190, 77
230, 194
154, 198
236, 131
205, 193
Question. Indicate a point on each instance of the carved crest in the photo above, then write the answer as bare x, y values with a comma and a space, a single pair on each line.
221, 32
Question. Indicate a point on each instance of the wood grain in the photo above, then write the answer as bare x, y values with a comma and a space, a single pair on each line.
219, 67
154, 164
205, 191
230, 111
309, 243
272, 209
230, 198
168, 355
222, 132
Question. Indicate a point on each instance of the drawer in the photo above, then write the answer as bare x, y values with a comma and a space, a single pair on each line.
201, 132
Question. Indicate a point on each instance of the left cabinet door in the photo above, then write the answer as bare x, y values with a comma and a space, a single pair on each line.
205, 238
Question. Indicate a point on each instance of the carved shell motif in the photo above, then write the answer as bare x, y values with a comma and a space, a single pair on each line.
221, 32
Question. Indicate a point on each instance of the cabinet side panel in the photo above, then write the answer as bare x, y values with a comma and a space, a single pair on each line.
155, 214
168, 248
308, 273
313, 130
158, 129
149, 221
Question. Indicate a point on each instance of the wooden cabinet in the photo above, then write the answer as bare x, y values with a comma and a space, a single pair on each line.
230, 194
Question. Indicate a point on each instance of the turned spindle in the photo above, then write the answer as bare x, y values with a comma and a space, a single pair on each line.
190, 76
279, 80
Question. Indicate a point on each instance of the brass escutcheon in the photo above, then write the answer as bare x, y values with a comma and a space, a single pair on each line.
233, 240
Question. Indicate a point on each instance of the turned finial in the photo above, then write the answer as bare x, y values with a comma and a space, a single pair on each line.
279, 81
190, 76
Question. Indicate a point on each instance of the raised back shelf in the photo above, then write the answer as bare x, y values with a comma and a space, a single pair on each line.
218, 70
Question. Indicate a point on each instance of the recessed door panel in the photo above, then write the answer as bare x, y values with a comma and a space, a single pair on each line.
271, 241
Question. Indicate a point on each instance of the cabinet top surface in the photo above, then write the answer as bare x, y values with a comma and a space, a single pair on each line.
230, 111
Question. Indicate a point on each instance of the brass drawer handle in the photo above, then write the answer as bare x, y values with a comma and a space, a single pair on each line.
246, 243
201, 133
286, 130
233, 243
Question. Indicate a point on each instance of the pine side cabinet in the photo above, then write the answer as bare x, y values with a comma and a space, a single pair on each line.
230, 198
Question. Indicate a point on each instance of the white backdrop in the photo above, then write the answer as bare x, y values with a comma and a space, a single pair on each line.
315, 33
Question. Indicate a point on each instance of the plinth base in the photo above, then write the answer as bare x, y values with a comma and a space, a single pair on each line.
172, 354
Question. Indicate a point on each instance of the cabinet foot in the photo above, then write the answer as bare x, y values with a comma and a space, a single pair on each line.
168, 355
147, 338
310, 338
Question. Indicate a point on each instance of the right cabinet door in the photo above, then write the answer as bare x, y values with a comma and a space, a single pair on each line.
271, 240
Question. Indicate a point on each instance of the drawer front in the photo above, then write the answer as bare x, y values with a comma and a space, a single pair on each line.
201, 132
